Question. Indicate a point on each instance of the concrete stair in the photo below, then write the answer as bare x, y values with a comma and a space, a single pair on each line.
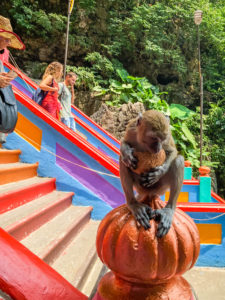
11, 172
45, 221
9, 156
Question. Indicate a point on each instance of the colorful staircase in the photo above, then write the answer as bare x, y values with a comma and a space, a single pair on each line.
44, 220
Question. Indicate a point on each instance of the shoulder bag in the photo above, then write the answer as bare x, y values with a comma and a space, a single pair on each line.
8, 110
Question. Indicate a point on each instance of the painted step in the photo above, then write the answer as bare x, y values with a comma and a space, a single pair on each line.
95, 274
76, 259
20, 192
87, 265
17, 171
23, 220
52, 238
9, 156
90, 282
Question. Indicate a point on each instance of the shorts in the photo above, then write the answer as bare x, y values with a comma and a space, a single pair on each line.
69, 122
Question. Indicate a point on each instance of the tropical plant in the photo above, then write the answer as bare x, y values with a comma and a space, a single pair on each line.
215, 132
133, 89
85, 78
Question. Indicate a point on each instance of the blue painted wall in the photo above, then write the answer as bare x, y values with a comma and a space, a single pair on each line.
49, 168
193, 191
211, 255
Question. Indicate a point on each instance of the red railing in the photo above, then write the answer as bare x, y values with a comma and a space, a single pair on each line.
75, 138
25, 276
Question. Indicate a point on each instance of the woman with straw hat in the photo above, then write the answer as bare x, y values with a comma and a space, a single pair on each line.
7, 39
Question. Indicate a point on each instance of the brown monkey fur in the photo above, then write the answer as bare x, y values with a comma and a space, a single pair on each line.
151, 133
147, 161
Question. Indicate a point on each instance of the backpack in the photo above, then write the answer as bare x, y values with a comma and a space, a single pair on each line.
38, 96
8, 110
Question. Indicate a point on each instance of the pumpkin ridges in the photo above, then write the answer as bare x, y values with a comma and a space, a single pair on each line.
169, 241
126, 246
193, 230
154, 260
167, 255
109, 242
103, 226
184, 242
147, 254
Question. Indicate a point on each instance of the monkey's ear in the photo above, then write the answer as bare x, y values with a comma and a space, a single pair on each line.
168, 118
139, 118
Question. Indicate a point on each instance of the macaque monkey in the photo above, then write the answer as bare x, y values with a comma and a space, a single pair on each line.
151, 133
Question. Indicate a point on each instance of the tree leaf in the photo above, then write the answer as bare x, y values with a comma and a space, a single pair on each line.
179, 111
188, 134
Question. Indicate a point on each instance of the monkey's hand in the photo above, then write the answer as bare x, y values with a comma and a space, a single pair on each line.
165, 218
149, 178
142, 213
128, 158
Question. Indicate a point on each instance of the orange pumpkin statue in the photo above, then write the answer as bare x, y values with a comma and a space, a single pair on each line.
144, 266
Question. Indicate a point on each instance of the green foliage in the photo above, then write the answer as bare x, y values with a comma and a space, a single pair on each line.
152, 39
36, 22
88, 5
134, 89
86, 79
35, 69
137, 89
153, 35
215, 131
182, 132
101, 66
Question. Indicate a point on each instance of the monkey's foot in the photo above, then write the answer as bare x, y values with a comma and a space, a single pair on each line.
143, 213
165, 217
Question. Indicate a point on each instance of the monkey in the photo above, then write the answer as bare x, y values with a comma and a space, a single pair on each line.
150, 132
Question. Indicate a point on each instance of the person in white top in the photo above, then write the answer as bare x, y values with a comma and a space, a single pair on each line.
67, 97
7, 39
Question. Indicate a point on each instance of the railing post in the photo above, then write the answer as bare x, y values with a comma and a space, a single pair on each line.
205, 184
187, 170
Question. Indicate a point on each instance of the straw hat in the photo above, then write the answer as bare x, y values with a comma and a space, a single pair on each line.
7, 32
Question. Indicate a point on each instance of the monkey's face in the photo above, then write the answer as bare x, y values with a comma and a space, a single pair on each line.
151, 137
151, 141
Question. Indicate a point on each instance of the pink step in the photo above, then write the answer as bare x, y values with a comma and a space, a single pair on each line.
23, 220
72, 264
18, 193
49, 241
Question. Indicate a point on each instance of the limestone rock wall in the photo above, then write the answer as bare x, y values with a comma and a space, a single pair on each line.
115, 119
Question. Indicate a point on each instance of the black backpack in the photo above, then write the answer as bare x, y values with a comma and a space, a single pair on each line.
8, 110
38, 96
